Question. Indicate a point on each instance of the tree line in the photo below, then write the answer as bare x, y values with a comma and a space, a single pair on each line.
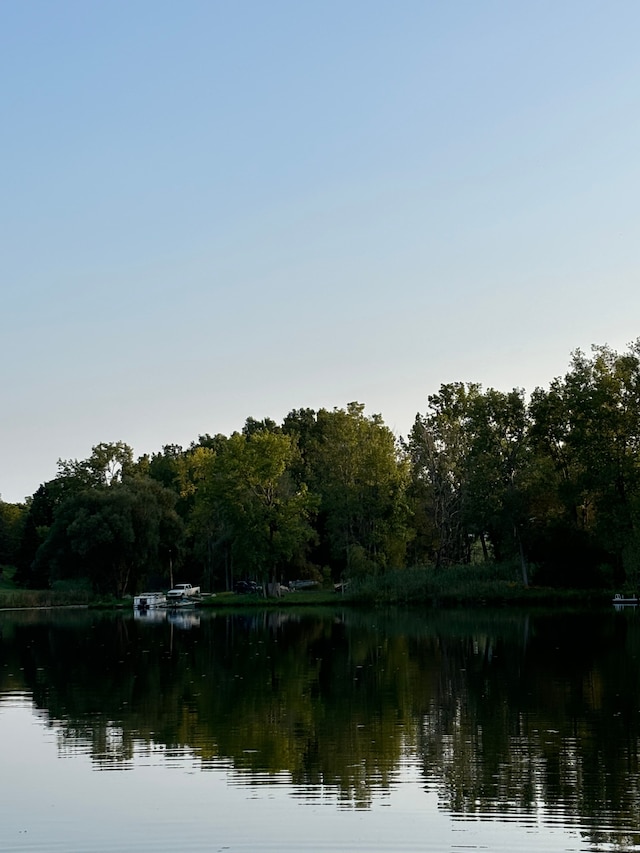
548, 482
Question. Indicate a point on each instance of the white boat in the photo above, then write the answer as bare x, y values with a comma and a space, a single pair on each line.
149, 601
620, 601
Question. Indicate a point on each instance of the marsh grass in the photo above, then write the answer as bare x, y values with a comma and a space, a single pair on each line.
476, 585
469, 585
76, 593
20, 598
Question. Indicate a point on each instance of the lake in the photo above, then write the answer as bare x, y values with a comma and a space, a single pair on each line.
347, 730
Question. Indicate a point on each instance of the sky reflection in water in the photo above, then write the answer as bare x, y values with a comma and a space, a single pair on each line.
391, 749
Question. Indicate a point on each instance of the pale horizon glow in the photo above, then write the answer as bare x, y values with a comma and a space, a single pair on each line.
213, 211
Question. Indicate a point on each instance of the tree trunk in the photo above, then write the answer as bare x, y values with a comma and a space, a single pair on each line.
523, 562
485, 550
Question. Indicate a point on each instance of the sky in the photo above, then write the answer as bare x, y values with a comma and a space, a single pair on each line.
218, 210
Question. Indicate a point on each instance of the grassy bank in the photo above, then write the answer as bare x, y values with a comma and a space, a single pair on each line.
21, 598
63, 594
464, 586
315, 598
471, 586
453, 586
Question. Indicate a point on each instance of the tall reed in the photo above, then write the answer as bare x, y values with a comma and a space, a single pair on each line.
19, 598
468, 584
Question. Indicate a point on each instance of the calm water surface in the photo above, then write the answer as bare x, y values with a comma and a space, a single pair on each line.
351, 731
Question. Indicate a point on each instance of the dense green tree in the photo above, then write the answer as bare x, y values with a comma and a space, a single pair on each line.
588, 423
439, 448
109, 463
360, 476
472, 468
302, 425
115, 535
164, 466
181, 471
250, 502
482, 475
500, 473
41, 509
192, 469
12, 522
252, 426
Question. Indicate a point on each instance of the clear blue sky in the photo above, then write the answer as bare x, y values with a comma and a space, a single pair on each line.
214, 210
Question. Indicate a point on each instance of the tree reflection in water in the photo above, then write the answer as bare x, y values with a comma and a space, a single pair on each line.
504, 713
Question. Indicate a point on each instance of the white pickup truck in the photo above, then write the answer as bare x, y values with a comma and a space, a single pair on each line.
183, 590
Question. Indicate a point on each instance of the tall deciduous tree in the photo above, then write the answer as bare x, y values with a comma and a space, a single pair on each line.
439, 446
471, 468
114, 535
250, 498
360, 476
12, 521
500, 472
589, 425
109, 463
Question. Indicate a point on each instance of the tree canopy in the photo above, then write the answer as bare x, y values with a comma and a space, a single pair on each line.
548, 482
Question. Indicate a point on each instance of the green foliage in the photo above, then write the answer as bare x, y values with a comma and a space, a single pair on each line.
439, 447
551, 484
473, 468
108, 464
355, 467
250, 503
476, 585
588, 425
7, 574
114, 535
12, 521
30, 598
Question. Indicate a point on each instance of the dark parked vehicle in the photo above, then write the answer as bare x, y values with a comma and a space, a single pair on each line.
244, 587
